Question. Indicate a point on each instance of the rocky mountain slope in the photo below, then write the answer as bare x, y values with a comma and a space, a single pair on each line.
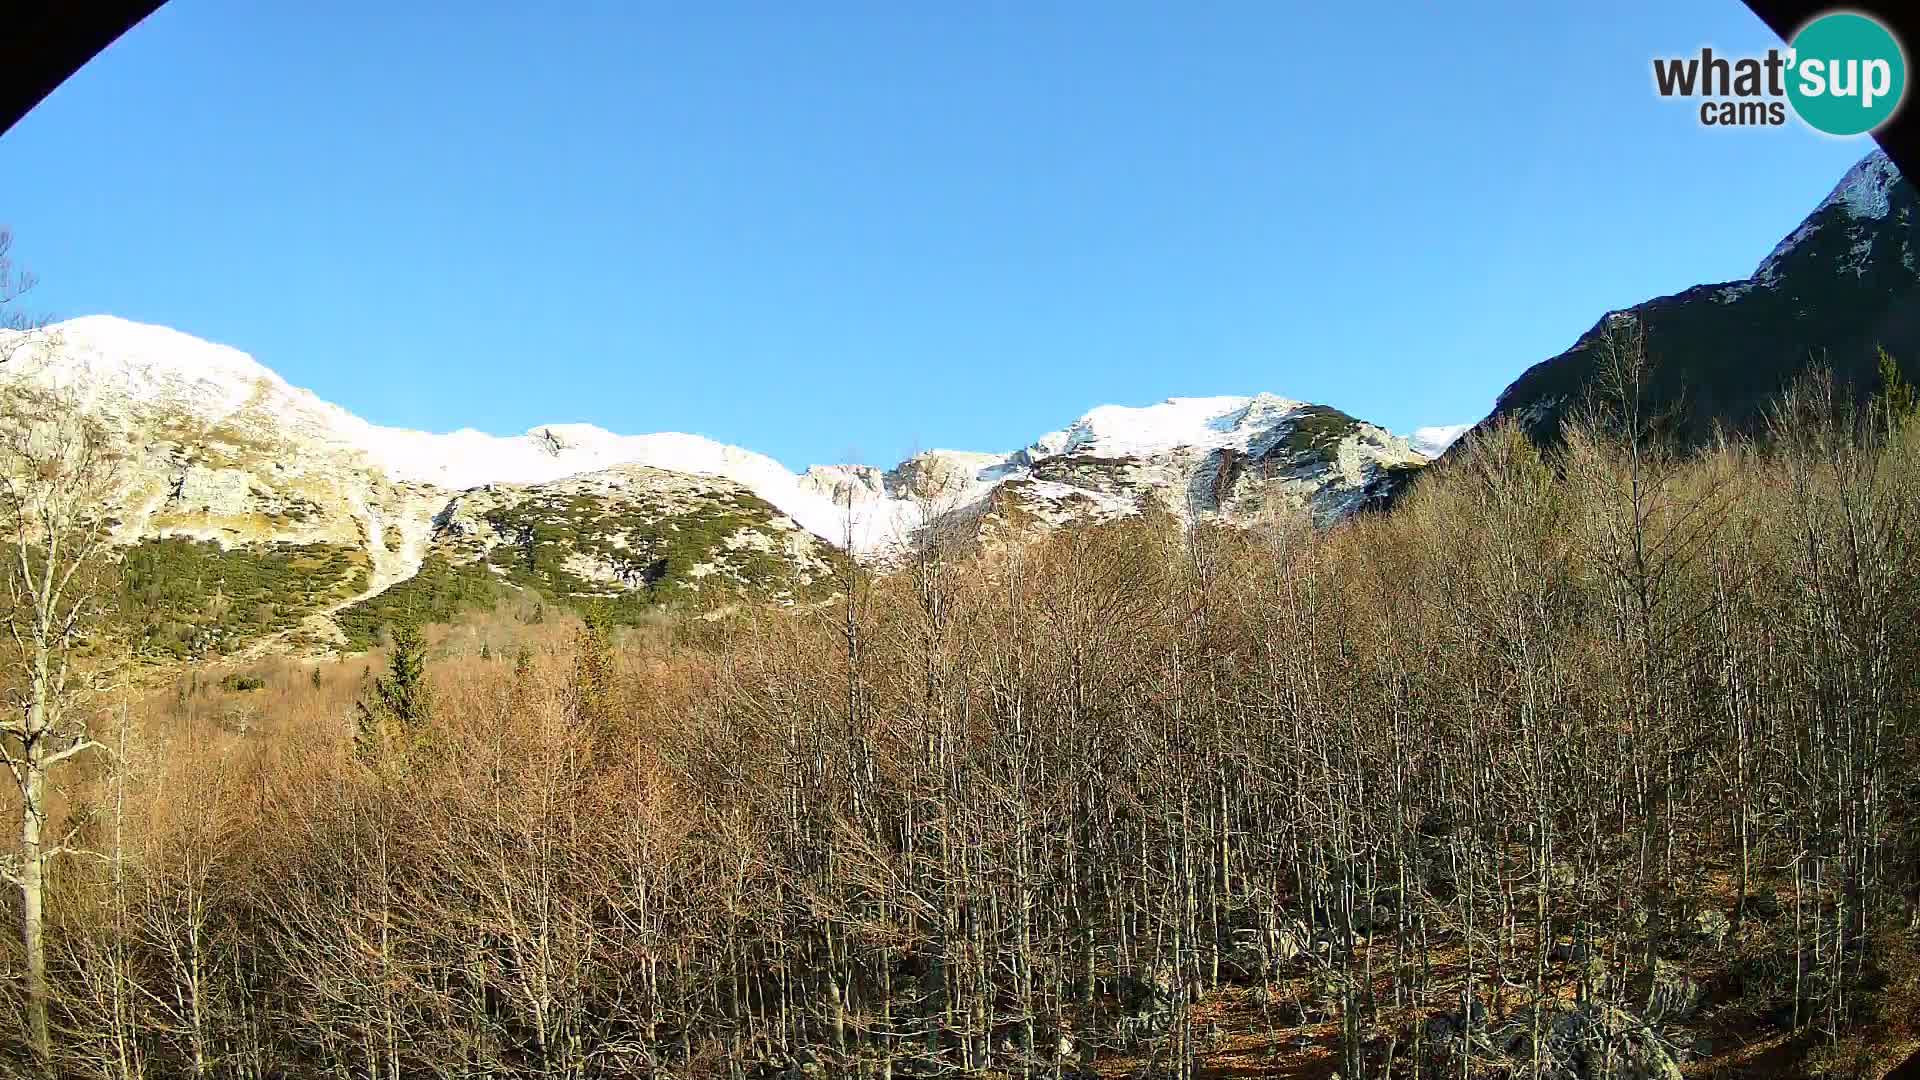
633, 528
1839, 287
252, 510
1230, 458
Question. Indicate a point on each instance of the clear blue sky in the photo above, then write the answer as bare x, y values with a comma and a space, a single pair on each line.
828, 227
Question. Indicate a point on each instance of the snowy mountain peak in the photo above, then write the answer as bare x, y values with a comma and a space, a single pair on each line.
144, 362
148, 345
1139, 431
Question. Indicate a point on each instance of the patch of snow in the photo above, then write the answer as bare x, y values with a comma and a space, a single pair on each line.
109, 360
1433, 441
1206, 423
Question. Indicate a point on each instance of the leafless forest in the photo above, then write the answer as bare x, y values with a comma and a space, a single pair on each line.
1595, 762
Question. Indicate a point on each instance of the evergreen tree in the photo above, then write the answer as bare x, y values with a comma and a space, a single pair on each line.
393, 716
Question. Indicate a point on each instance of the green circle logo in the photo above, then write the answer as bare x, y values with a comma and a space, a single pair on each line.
1848, 74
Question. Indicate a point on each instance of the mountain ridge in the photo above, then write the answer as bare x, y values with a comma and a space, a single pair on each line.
1838, 287
267, 479
154, 363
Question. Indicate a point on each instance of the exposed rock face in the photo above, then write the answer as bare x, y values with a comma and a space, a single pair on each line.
936, 475
1710, 928
1592, 1041
1671, 994
1229, 459
859, 483
1599, 1041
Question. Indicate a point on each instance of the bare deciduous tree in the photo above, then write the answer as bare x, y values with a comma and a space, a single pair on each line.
1476, 787
57, 477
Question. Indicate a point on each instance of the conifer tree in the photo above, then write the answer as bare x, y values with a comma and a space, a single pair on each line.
393, 716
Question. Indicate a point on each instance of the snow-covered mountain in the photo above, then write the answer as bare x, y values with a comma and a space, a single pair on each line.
224, 450
128, 369
1215, 457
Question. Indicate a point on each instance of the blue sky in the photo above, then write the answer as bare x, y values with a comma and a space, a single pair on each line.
836, 229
